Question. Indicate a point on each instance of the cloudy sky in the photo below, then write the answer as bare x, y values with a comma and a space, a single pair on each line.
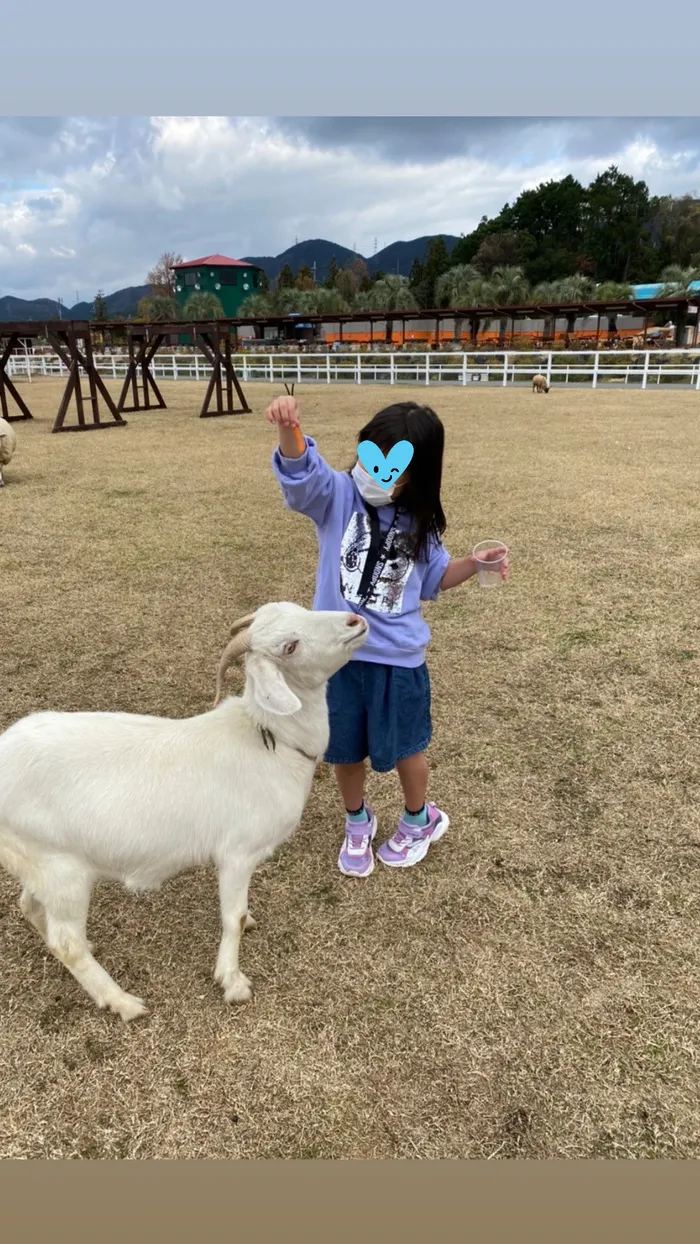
89, 203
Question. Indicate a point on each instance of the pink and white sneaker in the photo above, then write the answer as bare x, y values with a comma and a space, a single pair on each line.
356, 857
410, 843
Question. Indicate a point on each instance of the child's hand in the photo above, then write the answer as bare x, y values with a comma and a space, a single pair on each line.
284, 411
492, 555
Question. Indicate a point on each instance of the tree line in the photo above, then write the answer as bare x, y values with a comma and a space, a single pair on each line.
560, 242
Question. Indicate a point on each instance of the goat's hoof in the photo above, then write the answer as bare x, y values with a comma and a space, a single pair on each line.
129, 1007
250, 923
239, 989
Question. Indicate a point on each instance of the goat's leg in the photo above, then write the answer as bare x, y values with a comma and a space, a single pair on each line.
33, 911
65, 890
233, 894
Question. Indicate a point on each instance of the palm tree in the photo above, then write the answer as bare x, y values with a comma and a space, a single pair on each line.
509, 287
452, 289
256, 304
676, 283
203, 306
677, 280
390, 293
330, 302
547, 292
259, 305
612, 291
575, 288
158, 307
295, 301
479, 293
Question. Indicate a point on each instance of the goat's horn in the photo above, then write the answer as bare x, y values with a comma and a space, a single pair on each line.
241, 623
231, 653
239, 644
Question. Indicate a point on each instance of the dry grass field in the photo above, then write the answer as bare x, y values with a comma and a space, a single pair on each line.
532, 990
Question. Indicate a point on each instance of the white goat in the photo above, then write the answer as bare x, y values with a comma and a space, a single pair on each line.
539, 383
92, 796
8, 444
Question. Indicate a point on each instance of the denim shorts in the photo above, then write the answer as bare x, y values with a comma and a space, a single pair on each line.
380, 711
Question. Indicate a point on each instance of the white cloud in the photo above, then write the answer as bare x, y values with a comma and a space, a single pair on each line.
113, 193
15, 221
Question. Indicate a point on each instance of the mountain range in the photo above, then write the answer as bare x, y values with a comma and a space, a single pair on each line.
121, 303
397, 257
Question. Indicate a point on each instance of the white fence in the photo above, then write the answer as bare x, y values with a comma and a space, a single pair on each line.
638, 368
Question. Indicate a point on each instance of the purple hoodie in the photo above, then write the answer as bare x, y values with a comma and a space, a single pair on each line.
398, 633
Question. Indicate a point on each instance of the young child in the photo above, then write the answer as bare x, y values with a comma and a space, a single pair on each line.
380, 555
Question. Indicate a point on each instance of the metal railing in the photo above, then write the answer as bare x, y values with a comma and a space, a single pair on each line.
595, 368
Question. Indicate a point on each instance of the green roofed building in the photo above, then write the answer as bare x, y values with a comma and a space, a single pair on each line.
231, 280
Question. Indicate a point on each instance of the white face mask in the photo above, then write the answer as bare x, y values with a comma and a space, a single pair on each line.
369, 489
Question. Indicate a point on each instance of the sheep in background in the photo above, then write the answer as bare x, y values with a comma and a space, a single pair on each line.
93, 796
8, 444
539, 384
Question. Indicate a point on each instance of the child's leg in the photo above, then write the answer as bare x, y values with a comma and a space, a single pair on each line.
356, 857
413, 775
346, 751
421, 824
351, 783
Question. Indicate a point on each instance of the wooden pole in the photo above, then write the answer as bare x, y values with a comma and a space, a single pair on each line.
132, 348
91, 373
65, 342
216, 346
142, 351
6, 385
77, 387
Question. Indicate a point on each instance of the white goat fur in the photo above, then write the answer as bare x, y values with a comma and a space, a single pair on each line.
8, 444
539, 384
86, 797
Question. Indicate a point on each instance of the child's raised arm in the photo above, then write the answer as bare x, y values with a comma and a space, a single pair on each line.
307, 482
284, 411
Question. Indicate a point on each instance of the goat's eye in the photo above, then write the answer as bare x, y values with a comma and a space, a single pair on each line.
290, 647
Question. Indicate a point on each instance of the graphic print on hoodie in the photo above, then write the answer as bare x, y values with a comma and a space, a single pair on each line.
386, 595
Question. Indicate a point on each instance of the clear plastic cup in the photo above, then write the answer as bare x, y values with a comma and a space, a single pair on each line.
489, 572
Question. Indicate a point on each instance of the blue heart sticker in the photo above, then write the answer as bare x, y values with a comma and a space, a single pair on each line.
385, 471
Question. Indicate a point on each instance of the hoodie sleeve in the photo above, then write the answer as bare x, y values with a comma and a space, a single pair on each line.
436, 564
308, 483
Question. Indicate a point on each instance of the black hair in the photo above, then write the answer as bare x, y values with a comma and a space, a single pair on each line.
420, 495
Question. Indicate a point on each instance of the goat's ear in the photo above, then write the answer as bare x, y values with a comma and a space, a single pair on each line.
270, 691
